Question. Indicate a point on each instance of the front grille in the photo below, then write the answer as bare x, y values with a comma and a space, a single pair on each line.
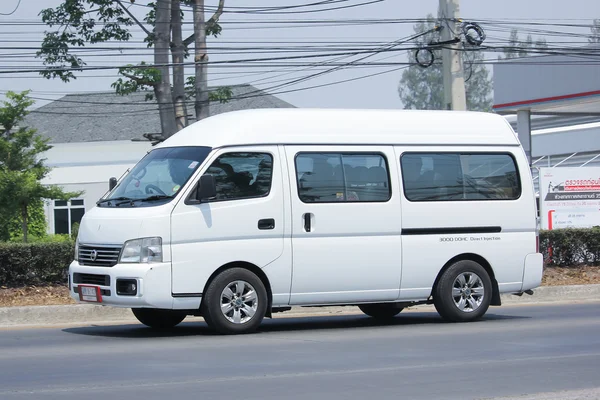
91, 279
98, 256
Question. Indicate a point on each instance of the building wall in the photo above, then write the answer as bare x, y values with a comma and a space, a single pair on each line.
93, 192
543, 77
95, 153
85, 167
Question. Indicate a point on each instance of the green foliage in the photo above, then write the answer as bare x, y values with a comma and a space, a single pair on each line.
75, 231
150, 19
21, 168
423, 88
222, 94
213, 29
518, 48
35, 263
14, 110
37, 223
595, 32
571, 247
144, 78
79, 22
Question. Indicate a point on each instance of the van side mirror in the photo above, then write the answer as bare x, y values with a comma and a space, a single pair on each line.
112, 182
207, 188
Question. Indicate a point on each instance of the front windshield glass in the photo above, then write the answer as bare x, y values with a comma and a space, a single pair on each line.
160, 174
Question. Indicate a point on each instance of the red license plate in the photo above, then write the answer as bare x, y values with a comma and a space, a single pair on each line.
90, 294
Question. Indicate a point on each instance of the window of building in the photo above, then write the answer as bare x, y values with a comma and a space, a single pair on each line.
66, 214
456, 177
242, 175
337, 177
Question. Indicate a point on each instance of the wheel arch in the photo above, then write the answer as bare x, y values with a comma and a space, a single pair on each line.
250, 267
495, 300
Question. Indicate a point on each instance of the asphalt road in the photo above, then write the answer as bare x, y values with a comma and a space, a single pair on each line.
515, 351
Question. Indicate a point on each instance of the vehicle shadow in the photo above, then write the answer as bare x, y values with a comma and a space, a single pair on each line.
197, 326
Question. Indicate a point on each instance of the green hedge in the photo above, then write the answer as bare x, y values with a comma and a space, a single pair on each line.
35, 263
47, 262
571, 247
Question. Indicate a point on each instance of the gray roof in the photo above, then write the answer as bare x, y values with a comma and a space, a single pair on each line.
107, 116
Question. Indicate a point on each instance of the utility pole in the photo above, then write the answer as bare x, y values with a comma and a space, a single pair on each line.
454, 81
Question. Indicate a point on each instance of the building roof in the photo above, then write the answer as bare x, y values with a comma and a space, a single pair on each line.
359, 127
107, 116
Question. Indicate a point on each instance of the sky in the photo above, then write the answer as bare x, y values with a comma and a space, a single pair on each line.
21, 33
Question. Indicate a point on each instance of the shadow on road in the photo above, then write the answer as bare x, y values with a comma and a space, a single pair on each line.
279, 324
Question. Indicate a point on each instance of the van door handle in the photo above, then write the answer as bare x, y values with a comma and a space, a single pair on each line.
307, 218
265, 224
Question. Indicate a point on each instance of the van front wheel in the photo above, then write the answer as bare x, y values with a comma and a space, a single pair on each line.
235, 302
158, 319
463, 292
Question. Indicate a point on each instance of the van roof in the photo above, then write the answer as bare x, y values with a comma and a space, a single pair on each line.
351, 127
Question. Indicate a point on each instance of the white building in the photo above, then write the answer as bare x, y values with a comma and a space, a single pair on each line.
98, 136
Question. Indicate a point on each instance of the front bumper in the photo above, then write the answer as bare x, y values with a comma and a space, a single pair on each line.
153, 283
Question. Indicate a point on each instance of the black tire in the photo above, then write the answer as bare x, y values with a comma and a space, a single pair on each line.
212, 301
446, 304
158, 319
380, 311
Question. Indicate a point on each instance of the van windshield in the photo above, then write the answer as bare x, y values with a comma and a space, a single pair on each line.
157, 177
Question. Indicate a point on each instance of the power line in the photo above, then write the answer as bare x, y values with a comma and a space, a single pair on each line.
275, 11
241, 97
13, 11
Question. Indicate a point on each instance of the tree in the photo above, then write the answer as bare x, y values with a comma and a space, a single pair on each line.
21, 168
517, 48
88, 22
423, 88
595, 32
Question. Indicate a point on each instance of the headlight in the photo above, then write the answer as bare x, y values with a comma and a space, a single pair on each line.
146, 250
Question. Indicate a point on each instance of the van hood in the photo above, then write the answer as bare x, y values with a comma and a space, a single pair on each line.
115, 226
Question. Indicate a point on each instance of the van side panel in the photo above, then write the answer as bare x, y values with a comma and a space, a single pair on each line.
352, 249
434, 232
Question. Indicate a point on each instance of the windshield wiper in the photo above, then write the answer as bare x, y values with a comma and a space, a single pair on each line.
115, 199
155, 197
124, 200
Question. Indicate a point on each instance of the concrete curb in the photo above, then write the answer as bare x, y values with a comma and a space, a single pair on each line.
86, 314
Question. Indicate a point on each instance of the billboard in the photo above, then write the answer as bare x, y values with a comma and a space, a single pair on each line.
569, 197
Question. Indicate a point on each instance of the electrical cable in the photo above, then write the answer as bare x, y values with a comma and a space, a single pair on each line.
13, 11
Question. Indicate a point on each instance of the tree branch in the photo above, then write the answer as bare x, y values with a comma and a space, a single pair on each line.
137, 79
189, 40
213, 20
134, 18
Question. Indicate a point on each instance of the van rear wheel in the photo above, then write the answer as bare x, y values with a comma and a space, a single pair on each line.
463, 292
235, 302
380, 311
158, 319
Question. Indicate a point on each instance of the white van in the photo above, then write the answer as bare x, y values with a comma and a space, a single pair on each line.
249, 213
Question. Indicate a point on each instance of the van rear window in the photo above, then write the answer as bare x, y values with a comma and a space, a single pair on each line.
460, 176
337, 177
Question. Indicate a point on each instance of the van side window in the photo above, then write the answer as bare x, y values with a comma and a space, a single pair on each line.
337, 177
460, 176
242, 175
